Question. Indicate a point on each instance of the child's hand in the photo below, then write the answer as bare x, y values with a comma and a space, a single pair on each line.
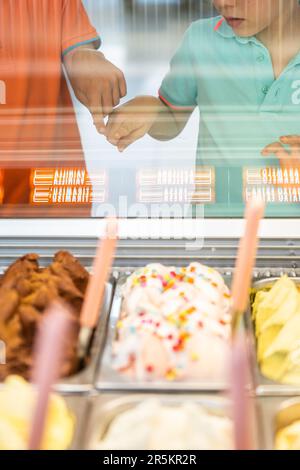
288, 159
132, 121
97, 83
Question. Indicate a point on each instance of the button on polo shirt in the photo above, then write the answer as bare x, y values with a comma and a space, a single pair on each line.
265, 89
242, 106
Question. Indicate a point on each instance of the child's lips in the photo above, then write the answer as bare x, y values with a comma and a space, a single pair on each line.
234, 22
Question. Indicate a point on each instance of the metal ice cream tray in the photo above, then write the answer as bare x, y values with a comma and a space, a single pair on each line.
109, 379
103, 409
83, 381
276, 414
265, 386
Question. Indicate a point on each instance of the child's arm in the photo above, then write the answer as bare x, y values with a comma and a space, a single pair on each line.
97, 83
178, 93
144, 115
162, 118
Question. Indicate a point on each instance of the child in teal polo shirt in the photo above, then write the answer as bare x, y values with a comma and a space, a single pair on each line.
242, 69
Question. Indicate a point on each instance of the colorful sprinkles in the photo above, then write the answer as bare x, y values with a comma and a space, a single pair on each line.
175, 328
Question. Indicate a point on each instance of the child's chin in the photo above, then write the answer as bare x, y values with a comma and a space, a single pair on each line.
244, 33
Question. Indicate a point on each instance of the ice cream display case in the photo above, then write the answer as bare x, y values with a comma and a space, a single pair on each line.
103, 387
110, 113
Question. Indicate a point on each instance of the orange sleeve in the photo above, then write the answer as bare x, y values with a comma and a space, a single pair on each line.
77, 29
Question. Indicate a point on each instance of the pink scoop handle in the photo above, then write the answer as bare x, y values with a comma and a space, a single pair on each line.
242, 409
48, 354
102, 264
246, 256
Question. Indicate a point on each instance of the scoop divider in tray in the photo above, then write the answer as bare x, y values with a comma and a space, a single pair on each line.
83, 381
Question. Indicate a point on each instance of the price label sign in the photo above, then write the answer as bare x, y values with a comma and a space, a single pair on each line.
60, 186
273, 185
176, 185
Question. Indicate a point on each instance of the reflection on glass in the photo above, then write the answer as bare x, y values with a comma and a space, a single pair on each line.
228, 79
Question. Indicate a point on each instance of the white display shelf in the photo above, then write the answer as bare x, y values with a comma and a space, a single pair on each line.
147, 229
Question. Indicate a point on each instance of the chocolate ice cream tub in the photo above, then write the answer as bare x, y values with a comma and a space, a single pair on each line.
109, 379
104, 408
277, 413
83, 381
263, 385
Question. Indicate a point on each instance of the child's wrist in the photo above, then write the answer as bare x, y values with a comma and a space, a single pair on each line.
151, 105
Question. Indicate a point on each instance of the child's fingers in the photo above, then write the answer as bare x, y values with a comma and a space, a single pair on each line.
107, 100
115, 120
122, 84
119, 131
279, 151
95, 108
116, 93
287, 159
114, 123
130, 139
294, 142
273, 149
118, 127
290, 139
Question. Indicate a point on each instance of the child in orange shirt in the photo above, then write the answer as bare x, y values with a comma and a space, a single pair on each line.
37, 117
